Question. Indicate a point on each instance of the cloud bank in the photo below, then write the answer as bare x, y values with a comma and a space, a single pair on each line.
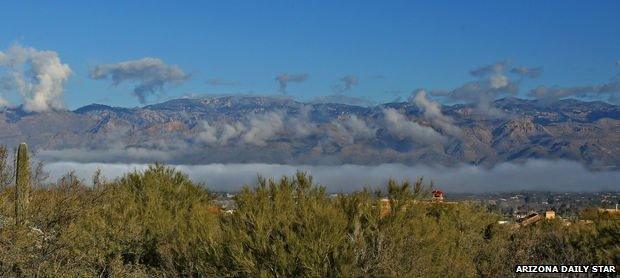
149, 74
533, 175
38, 75
257, 128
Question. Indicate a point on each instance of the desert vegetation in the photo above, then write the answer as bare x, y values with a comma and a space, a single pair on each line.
159, 223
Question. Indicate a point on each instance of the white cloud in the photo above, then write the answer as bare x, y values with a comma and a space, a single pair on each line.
351, 129
346, 83
532, 175
39, 76
108, 155
492, 69
492, 82
498, 81
221, 133
402, 128
258, 128
285, 78
263, 127
432, 111
150, 74
301, 126
609, 90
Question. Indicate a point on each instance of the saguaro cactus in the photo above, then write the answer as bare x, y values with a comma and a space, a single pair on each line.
22, 183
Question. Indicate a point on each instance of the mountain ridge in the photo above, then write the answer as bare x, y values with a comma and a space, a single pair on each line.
241, 129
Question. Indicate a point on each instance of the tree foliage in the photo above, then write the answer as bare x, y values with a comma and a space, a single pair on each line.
159, 223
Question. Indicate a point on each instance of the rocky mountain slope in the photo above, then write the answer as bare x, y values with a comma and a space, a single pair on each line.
272, 130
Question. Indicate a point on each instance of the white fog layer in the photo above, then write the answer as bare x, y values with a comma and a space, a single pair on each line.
540, 175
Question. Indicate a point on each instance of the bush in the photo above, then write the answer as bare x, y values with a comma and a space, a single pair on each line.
158, 222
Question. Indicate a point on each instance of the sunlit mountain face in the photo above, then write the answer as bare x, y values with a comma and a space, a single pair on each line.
277, 130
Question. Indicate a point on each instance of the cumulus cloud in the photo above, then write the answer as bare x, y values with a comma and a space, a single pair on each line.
402, 128
285, 78
346, 84
531, 175
149, 74
38, 75
432, 112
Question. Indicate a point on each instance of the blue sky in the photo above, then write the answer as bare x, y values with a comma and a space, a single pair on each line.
392, 46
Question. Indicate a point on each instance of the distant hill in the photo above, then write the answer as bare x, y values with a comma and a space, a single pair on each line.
274, 130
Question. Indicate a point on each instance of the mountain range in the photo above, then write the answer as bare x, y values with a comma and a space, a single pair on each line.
244, 129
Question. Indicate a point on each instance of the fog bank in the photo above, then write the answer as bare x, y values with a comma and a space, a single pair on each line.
531, 175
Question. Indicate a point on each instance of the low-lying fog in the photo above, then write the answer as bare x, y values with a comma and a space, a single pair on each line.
532, 175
